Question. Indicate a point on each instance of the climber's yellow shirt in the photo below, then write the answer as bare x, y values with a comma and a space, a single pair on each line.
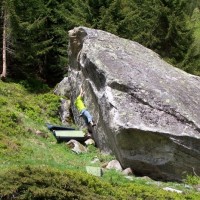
79, 103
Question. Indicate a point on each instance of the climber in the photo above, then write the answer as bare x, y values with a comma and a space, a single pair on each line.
84, 113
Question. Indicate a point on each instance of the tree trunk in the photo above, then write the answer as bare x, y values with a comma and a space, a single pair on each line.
3, 75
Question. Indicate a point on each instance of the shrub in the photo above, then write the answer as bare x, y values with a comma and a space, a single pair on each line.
192, 180
46, 183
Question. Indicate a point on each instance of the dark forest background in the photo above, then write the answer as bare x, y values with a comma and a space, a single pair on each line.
37, 32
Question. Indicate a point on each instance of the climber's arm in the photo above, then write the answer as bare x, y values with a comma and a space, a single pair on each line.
82, 92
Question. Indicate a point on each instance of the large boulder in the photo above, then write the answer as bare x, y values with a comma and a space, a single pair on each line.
147, 111
63, 88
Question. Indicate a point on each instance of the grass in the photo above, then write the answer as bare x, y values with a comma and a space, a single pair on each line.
35, 167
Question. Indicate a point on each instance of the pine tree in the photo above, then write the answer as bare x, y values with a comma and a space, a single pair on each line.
41, 38
6, 12
38, 30
111, 16
157, 24
56, 28
5, 21
191, 63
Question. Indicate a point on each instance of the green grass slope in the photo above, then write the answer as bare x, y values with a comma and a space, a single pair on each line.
35, 166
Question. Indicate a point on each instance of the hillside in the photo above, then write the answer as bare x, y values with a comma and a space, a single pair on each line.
34, 166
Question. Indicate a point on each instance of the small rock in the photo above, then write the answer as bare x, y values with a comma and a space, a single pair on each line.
90, 142
129, 177
127, 172
96, 171
114, 164
197, 187
188, 186
40, 133
76, 146
104, 165
172, 190
145, 178
95, 160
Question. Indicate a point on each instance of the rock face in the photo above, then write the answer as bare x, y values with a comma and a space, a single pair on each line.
64, 112
147, 111
63, 88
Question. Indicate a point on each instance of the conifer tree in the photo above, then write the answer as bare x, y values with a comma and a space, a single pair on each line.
56, 28
6, 11
5, 21
41, 38
111, 16
158, 24
191, 63
38, 30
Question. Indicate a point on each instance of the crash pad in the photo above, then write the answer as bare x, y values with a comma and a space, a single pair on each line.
52, 127
70, 133
66, 135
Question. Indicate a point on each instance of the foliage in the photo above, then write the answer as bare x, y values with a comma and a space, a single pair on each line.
45, 183
39, 39
19, 106
192, 180
34, 86
191, 63
38, 31
159, 24
48, 183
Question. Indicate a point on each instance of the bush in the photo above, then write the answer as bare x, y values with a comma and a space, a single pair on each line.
192, 180
46, 183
